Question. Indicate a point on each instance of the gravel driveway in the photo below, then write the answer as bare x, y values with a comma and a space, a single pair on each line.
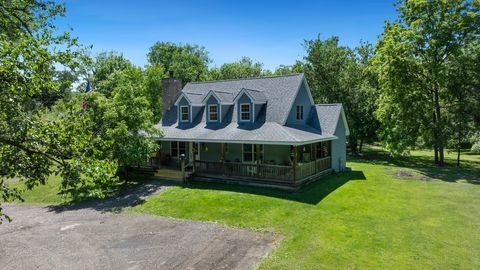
87, 237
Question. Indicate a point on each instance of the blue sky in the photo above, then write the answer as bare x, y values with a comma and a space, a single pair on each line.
271, 32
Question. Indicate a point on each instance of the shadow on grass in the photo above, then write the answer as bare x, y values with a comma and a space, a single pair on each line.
313, 193
468, 171
127, 198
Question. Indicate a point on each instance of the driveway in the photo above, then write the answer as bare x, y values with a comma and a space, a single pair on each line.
90, 236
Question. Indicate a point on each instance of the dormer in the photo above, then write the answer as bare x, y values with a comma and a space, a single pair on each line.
188, 107
216, 105
249, 103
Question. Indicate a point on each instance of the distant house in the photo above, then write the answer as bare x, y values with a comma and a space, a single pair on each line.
265, 130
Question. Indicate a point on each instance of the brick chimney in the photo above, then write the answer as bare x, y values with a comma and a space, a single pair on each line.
170, 91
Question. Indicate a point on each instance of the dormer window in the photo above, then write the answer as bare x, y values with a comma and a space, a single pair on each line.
299, 112
245, 112
184, 113
213, 113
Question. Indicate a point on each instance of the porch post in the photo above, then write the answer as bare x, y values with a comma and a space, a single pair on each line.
257, 154
223, 157
295, 163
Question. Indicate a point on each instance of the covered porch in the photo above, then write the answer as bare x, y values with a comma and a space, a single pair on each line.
289, 165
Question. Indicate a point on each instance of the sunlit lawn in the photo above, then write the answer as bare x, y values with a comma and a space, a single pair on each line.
387, 213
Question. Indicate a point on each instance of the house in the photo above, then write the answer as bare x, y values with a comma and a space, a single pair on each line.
264, 130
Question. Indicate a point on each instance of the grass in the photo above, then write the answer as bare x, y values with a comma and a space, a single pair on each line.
49, 193
42, 194
387, 213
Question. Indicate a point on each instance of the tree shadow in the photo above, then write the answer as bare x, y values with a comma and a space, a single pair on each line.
127, 198
469, 171
312, 193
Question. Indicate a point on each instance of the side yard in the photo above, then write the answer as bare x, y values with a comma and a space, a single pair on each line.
387, 213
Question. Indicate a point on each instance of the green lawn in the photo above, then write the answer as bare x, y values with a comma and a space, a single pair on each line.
386, 214
43, 194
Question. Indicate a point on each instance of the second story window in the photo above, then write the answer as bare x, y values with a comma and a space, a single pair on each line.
184, 114
299, 112
245, 112
212, 113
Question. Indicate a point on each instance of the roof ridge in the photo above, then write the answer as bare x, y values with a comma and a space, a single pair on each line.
250, 78
328, 104
255, 90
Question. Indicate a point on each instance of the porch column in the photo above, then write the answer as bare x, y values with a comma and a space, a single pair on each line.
295, 163
222, 157
257, 156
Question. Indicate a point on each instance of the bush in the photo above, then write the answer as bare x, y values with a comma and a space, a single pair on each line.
476, 148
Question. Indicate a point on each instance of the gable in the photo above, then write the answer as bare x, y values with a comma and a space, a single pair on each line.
303, 98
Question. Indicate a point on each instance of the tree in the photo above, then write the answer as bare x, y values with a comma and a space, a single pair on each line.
153, 83
298, 67
411, 60
338, 74
243, 68
188, 62
32, 145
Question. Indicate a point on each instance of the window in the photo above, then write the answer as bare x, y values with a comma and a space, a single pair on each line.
323, 149
184, 113
250, 152
182, 148
299, 112
174, 149
245, 112
212, 112
178, 148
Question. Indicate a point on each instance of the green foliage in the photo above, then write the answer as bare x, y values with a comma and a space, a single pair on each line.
338, 74
243, 68
412, 62
298, 67
153, 83
476, 148
33, 146
188, 62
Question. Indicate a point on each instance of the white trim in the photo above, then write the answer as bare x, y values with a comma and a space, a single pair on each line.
220, 117
180, 98
296, 94
189, 113
253, 113
344, 118
249, 112
208, 112
249, 142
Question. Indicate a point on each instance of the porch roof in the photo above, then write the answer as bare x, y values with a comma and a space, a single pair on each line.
264, 133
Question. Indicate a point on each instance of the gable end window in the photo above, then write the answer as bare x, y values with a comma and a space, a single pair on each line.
212, 112
299, 112
184, 113
245, 112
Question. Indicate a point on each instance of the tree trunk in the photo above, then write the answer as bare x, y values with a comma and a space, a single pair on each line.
435, 146
360, 146
439, 130
353, 146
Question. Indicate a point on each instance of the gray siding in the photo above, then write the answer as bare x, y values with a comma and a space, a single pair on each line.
214, 152
339, 147
301, 99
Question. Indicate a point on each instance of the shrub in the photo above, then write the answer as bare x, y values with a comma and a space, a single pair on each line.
476, 148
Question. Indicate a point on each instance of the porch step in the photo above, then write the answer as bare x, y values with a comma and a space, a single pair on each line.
170, 174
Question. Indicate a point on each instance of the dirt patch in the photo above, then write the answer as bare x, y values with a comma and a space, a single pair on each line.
405, 174
41, 238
